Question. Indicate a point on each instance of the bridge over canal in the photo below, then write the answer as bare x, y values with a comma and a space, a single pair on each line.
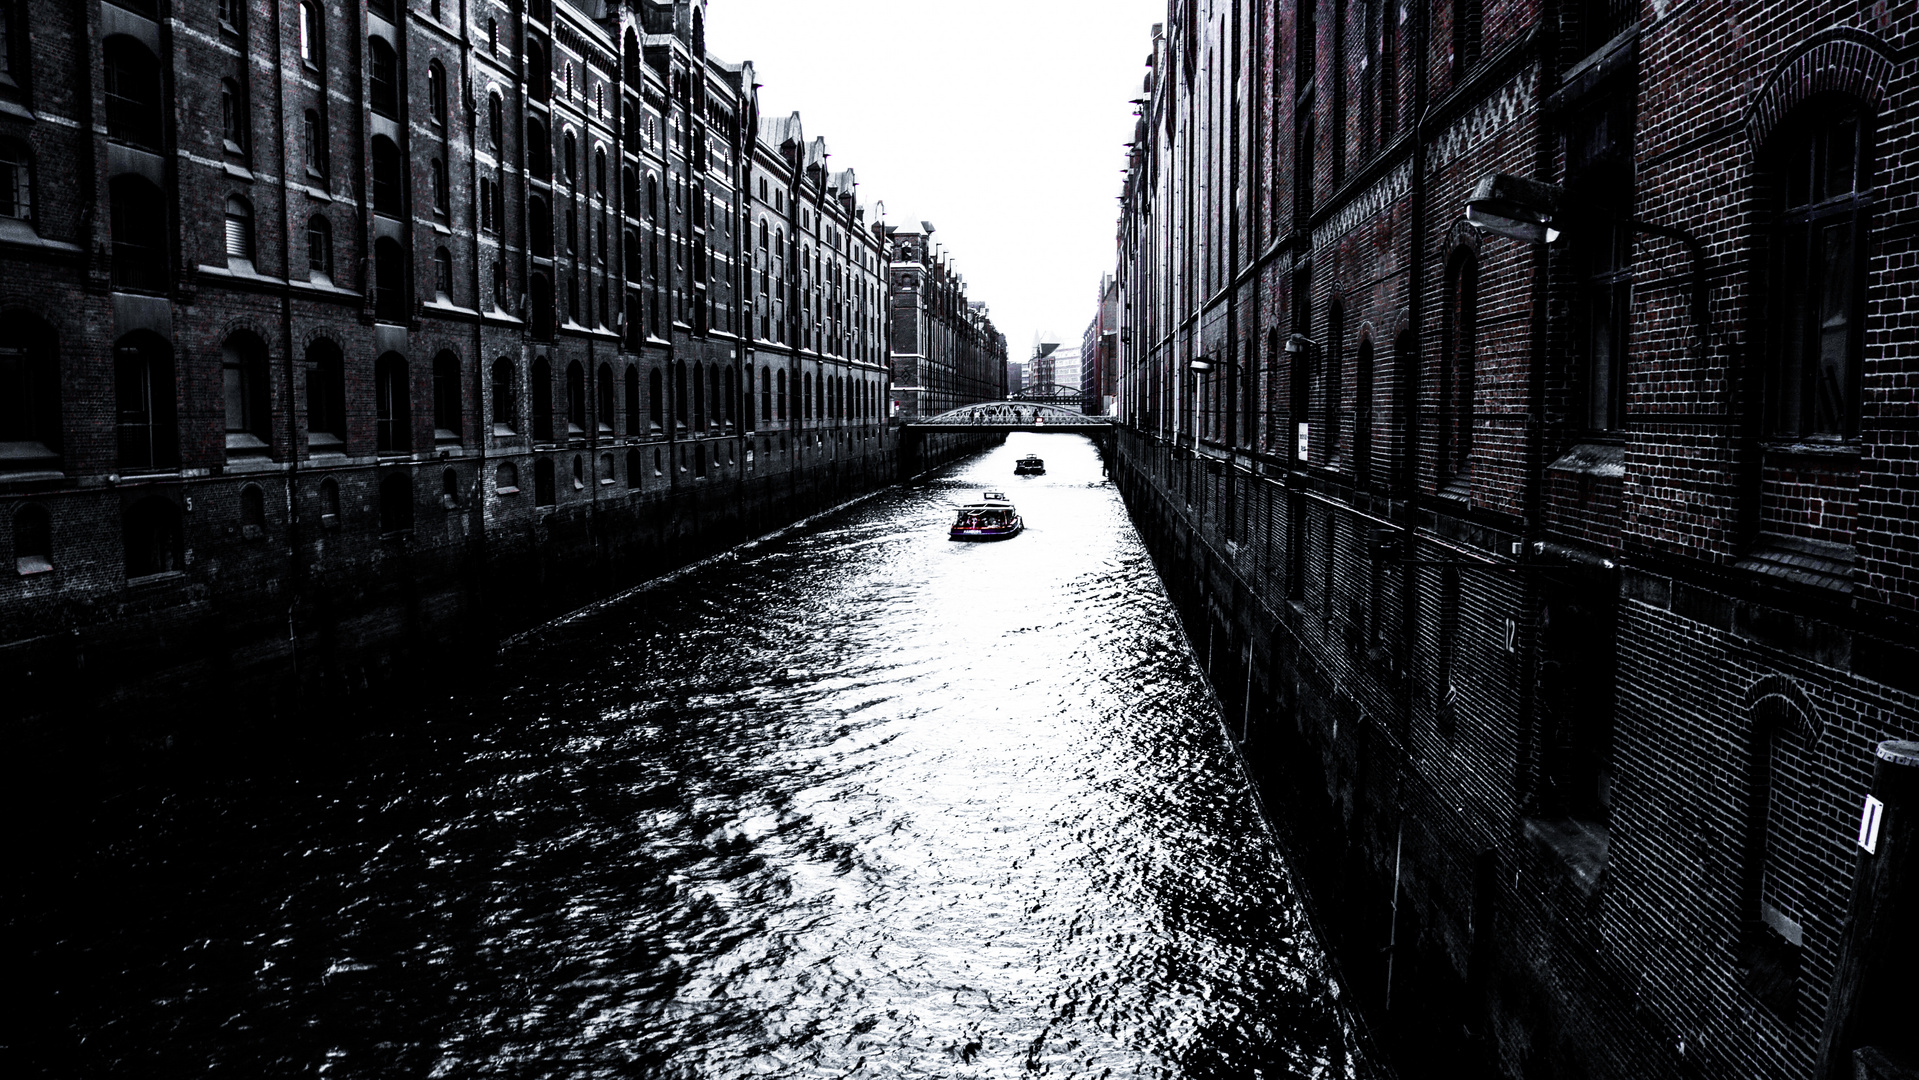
1003, 416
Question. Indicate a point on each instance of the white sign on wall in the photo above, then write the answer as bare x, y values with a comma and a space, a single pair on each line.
1869, 825
1305, 438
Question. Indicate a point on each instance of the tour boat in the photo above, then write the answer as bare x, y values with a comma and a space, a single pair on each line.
992, 518
1030, 465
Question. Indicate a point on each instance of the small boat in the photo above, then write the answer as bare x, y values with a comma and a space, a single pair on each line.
1030, 465
992, 518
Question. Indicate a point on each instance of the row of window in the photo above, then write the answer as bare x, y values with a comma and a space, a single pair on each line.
1821, 167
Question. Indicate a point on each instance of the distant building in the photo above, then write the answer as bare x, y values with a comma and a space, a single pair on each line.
945, 350
1015, 377
1099, 351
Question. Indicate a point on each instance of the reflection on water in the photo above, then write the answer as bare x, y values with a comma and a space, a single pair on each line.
859, 801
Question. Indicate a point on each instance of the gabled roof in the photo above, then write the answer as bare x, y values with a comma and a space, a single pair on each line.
777, 131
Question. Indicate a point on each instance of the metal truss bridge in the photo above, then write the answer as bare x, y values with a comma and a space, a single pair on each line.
1014, 415
1070, 397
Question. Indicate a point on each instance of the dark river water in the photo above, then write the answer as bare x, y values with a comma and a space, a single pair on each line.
853, 802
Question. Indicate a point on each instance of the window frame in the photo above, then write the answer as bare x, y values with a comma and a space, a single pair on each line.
1791, 286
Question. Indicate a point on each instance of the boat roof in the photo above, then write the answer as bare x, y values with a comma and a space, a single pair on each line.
992, 500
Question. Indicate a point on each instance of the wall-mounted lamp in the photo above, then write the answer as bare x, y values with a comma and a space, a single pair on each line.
1527, 210
1299, 343
1516, 207
1200, 365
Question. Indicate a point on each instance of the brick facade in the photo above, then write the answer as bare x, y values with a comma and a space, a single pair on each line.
1564, 615
332, 329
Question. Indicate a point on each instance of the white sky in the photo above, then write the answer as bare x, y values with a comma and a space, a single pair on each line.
1002, 122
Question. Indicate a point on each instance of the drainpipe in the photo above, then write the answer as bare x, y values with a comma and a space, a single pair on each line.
1411, 366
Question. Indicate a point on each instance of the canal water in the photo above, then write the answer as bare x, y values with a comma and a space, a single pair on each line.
855, 801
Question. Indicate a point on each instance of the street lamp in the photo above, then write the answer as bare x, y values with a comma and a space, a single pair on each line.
1515, 206
1531, 211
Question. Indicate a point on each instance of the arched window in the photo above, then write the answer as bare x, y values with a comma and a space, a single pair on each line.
16, 180
144, 403
569, 164
32, 540
541, 301
502, 289
314, 139
442, 197
135, 106
390, 292
699, 397
253, 512
579, 473
233, 116
603, 422
652, 198
630, 241
243, 363
608, 475
575, 400
319, 248
633, 469
312, 35
442, 276
632, 401
383, 78
396, 503
495, 120
329, 502
1459, 343
29, 395
449, 488
1363, 412
679, 395
766, 393
541, 381
389, 178
1824, 163
782, 394
506, 420
539, 152
543, 486
1335, 381
446, 398
1466, 19
655, 402
699, 460
539, 227
152, 538
747, 412
436, 92
138, 214
326, 397
506, 479
239, 230
392, 405
599, 171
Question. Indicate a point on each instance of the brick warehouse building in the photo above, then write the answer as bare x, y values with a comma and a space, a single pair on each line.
946, 352
326, 328
1565, 605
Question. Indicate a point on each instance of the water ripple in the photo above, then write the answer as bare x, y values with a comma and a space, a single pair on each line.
856, 801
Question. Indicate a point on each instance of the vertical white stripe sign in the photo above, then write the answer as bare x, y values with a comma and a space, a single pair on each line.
1869, 825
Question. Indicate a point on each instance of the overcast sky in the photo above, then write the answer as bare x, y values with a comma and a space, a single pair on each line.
1002, 122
